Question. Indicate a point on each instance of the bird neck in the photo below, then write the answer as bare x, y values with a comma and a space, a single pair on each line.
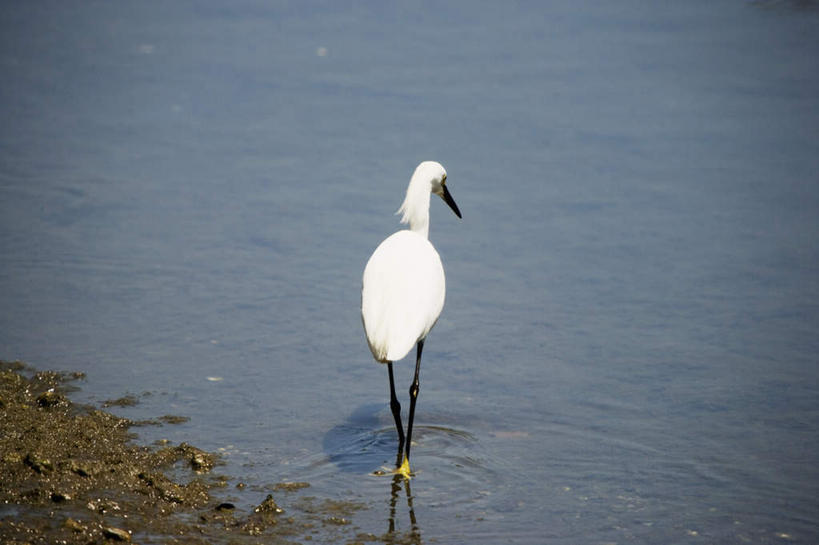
415, 209
422, 228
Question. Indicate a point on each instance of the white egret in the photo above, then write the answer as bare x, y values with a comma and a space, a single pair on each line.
403, 290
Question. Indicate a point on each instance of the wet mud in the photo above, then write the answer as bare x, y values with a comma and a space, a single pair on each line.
74, 474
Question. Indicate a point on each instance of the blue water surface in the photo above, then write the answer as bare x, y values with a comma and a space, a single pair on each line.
189, 192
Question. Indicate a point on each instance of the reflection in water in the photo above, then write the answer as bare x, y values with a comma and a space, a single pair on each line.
414, 535
363, 445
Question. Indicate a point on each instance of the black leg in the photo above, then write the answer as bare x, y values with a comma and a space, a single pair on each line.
396, 410
413, 391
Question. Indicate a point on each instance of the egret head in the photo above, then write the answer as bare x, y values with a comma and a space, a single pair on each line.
436, 174
429, 177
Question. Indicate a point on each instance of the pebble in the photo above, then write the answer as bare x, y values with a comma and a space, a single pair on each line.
38, 463
73, 525
59, 497
201, 463
117, 534
49, 398
268, 506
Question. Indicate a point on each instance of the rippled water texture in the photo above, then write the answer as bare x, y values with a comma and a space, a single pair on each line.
628, 353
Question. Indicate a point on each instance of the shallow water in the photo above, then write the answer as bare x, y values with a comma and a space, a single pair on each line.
189, 192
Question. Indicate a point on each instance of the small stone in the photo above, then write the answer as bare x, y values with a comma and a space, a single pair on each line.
38, 463
83, 470
226, 506
201, 462
73, 525
268, 506
59, 497
102, 506
49, 398
117, 534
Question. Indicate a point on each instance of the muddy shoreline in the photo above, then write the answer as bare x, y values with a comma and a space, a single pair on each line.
74, 474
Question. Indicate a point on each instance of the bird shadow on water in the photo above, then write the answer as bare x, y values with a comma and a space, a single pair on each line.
361, 443
367, 444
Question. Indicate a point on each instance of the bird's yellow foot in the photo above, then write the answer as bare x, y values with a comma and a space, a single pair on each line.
404, 469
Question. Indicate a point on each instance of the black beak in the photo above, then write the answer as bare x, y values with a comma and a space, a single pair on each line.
451, 202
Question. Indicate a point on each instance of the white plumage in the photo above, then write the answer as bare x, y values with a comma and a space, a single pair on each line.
403, 288
403, 295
